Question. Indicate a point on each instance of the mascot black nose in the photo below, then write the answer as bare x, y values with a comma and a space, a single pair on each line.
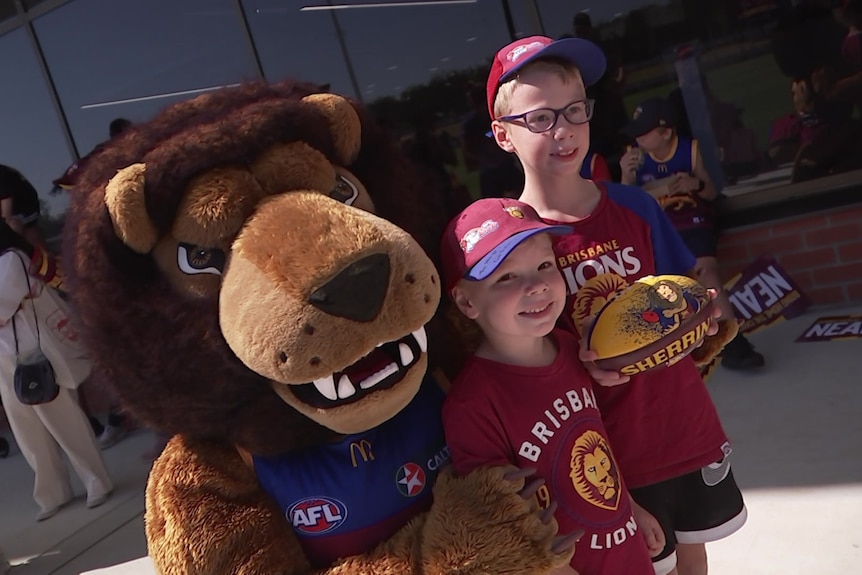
357, 292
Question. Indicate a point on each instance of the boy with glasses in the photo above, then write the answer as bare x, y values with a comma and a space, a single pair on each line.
665, 430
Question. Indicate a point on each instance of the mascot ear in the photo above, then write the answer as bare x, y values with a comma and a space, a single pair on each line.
124, 198
344, 124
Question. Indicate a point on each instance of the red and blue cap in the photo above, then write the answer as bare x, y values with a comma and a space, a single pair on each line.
589, 59
478, 239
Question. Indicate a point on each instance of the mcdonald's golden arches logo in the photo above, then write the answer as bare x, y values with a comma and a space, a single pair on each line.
363, 448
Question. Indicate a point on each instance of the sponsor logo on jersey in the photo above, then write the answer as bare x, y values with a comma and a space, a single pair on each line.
410, 479
317, 515
439, 460
360, 449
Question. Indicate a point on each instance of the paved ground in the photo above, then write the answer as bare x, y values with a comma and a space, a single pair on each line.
796, 429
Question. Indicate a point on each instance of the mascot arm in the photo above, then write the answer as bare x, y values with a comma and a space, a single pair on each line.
487, 523
206, 514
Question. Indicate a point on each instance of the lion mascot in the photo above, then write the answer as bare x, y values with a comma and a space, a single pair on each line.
252, 272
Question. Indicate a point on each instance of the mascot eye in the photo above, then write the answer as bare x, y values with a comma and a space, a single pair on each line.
194, 259
344, 191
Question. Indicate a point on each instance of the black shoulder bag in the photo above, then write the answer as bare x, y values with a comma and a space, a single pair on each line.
35, 382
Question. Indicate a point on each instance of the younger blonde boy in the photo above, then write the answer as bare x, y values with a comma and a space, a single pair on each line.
524, 398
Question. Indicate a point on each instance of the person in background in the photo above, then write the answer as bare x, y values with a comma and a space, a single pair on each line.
610, 113
432, 150
116, 427
499, 175
41, 430
19, 204
737, 144
67, 180
670, 168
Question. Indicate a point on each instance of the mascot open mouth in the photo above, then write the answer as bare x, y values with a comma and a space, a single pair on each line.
386, 365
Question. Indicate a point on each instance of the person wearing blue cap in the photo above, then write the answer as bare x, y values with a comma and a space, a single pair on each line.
666, 434
499, 268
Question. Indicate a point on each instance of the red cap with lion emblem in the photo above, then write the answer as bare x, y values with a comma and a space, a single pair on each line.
478, 239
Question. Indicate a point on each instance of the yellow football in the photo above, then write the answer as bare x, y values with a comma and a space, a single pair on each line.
650, 324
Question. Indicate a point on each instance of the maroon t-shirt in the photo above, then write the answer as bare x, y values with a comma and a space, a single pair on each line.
662, 424
546, 418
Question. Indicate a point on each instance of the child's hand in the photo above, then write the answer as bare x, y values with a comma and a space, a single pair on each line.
650, 528
629, 164
716, 315
567, 570
683, 184
588, 357
601, 376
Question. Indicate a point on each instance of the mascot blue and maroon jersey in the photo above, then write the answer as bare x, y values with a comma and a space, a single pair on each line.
324, 491
686, 210
662, 424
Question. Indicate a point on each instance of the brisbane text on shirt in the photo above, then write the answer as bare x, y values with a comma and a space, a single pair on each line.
603, 490
562, 407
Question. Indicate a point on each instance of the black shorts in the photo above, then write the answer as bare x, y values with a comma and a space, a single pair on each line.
699, 507
702, 242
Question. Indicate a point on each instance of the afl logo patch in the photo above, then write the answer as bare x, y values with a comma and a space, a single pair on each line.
317, 515
410, 479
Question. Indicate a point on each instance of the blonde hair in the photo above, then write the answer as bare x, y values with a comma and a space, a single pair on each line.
563, 69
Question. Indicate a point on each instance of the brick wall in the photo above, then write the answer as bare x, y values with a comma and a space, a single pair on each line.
821, 251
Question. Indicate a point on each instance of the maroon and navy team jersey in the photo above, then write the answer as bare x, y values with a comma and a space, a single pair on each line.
346, 497
685, 210
662, 424
546, 418
595, 167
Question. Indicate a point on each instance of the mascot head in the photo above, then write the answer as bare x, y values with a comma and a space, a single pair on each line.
236, 273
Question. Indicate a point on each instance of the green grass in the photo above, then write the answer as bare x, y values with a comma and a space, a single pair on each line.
755, 85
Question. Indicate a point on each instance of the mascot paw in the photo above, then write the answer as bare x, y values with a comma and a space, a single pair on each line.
490, 522
713, 344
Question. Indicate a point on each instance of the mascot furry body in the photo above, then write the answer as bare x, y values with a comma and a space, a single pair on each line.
248, 271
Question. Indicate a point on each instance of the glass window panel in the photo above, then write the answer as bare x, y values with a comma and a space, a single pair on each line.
420, 43
525, 17
7, 9
730, 66
126, 58
30, 3
31, 140
296, 44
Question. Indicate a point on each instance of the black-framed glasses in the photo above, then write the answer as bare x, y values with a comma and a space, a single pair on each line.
543, 119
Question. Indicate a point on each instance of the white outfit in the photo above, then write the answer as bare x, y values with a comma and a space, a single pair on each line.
39, 429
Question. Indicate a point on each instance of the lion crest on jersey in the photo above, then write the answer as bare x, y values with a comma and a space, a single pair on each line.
594, 471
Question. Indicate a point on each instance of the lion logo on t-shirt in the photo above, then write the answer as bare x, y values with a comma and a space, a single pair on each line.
594, 472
